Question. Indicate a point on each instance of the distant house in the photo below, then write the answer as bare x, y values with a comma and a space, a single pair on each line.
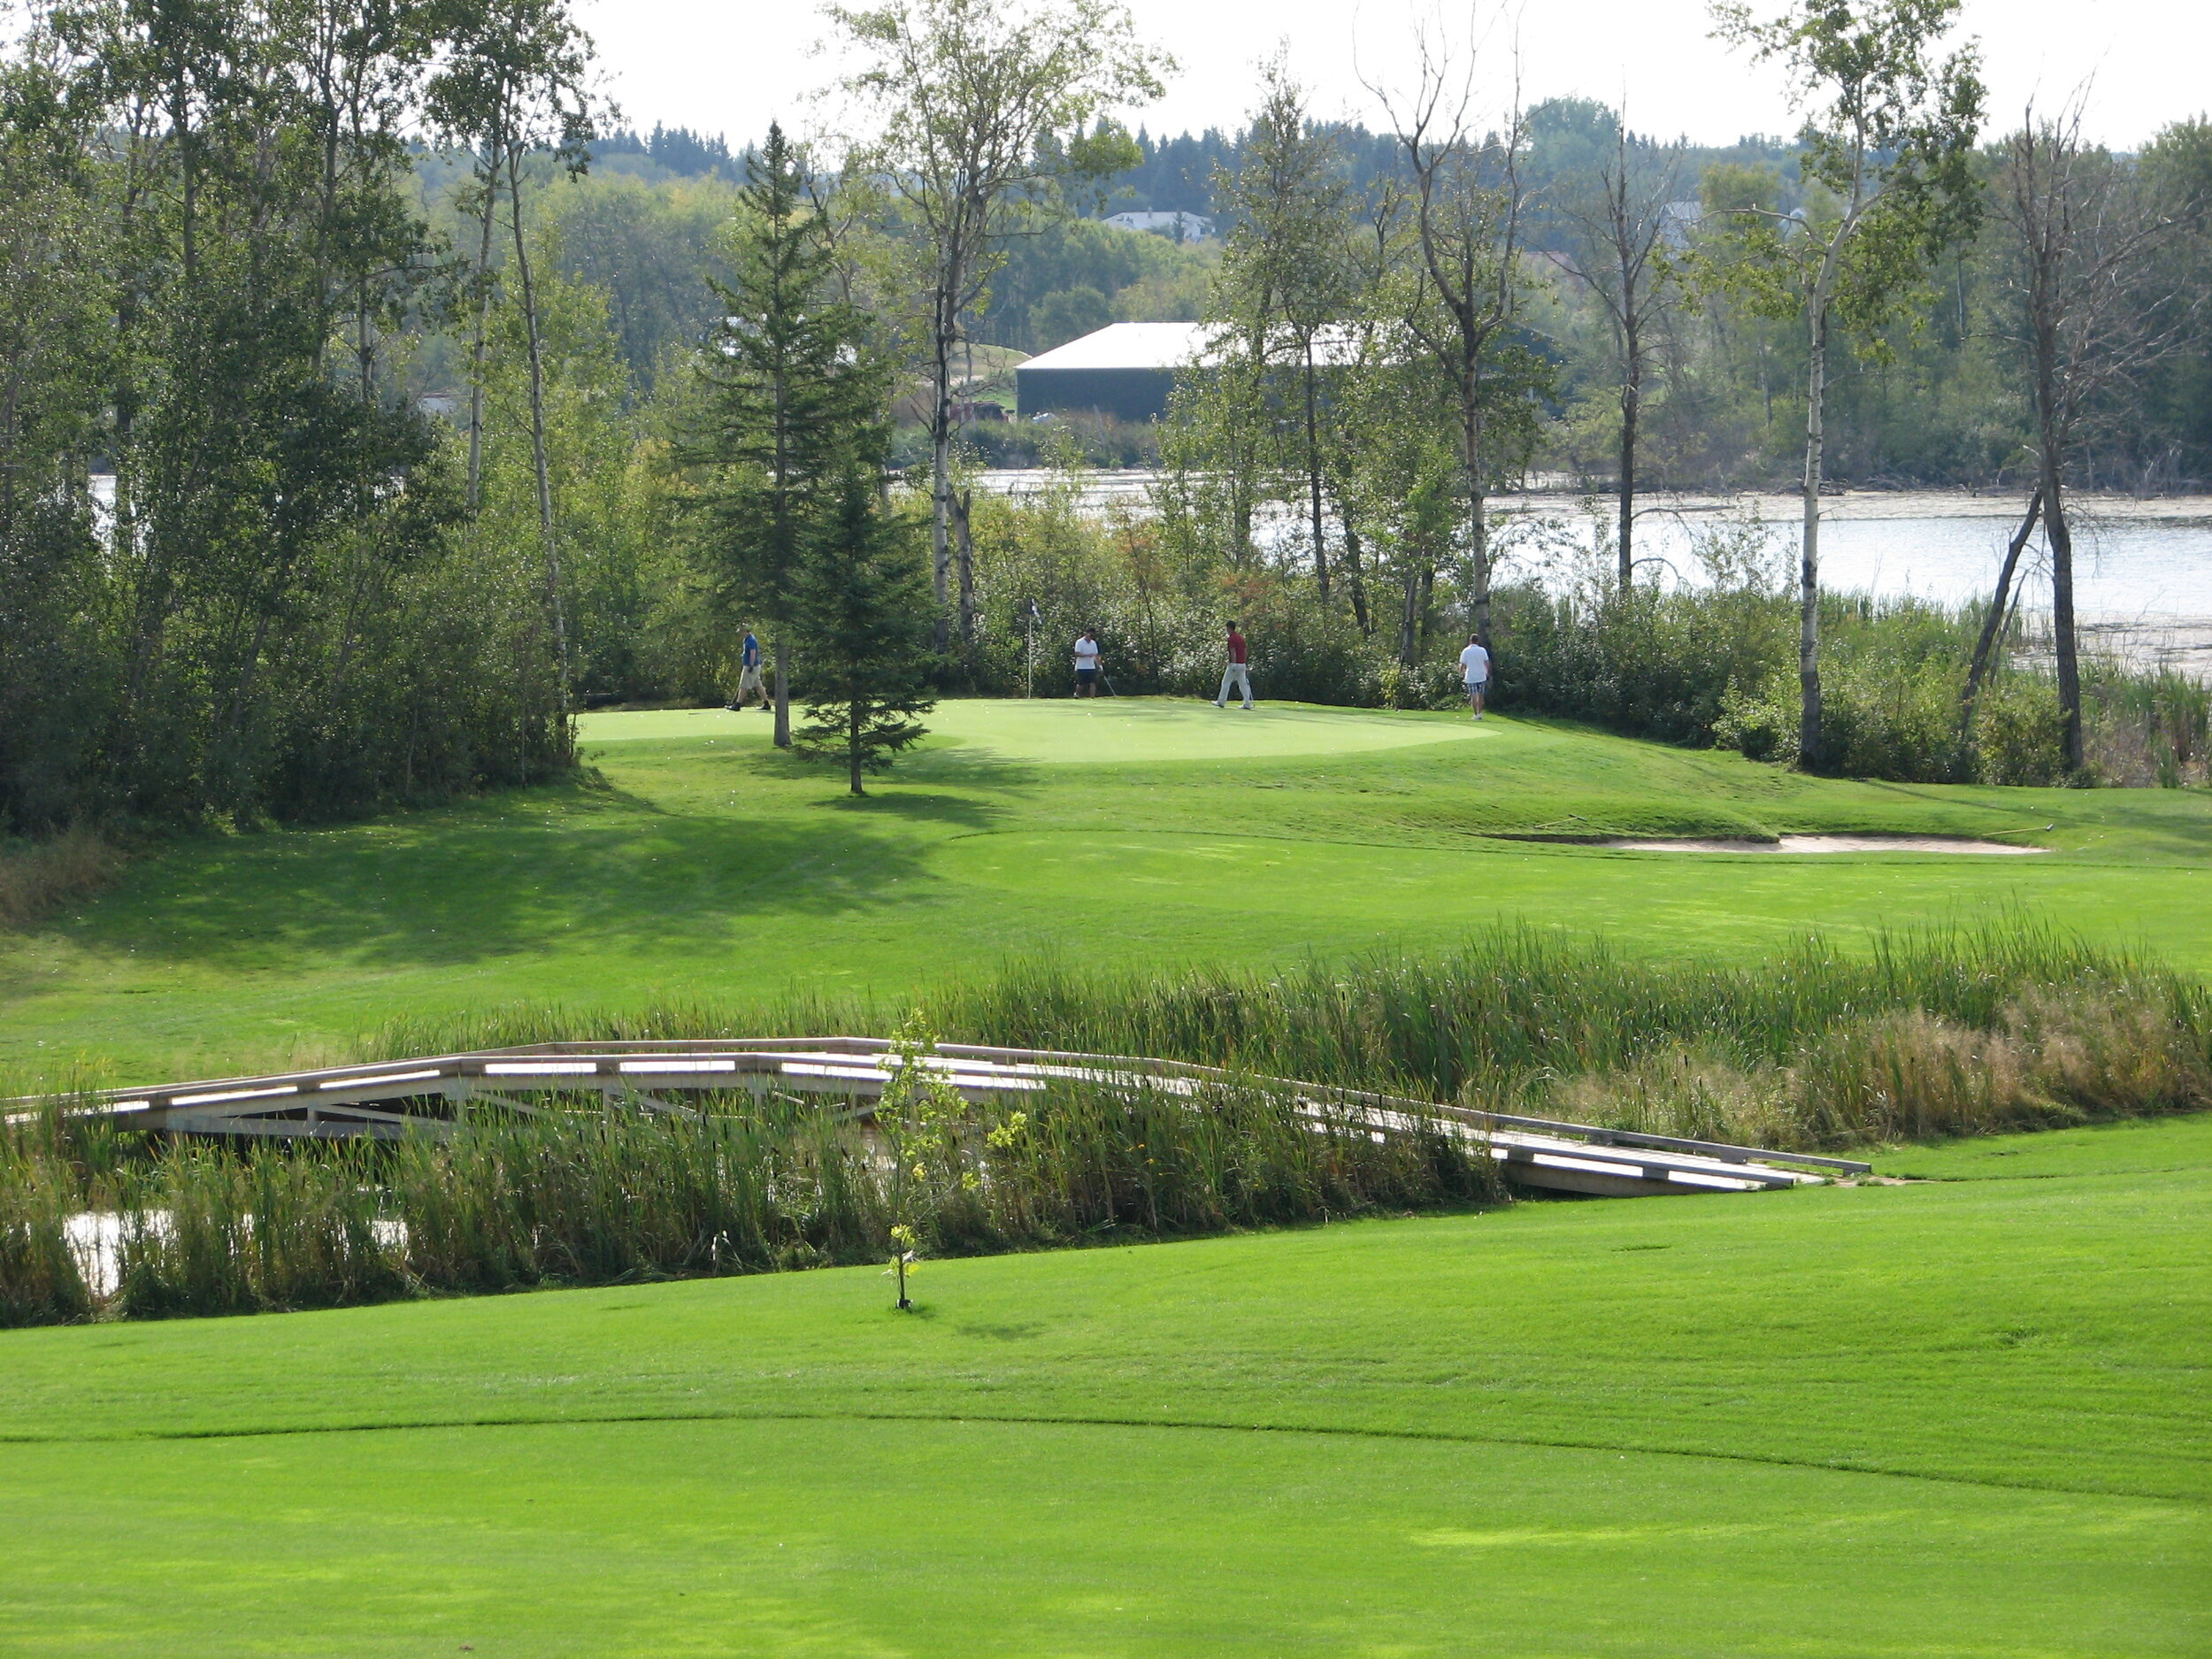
1126, 370
1181, 227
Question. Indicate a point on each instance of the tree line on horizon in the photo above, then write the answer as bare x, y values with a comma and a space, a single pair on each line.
356, 434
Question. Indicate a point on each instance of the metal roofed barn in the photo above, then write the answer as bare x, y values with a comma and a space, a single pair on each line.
1125, 370
1128, 370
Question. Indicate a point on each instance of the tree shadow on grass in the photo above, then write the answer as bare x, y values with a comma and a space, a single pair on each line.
969, 765
457, 889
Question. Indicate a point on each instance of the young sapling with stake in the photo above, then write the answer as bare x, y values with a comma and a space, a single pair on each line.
921, 1118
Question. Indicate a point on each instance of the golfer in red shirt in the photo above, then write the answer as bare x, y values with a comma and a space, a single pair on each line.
1237, 675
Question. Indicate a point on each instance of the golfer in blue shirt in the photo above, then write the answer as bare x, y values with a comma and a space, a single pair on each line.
749, 679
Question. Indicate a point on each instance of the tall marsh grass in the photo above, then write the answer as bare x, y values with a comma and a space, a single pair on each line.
39, 876
1773, 1052
1935, 1035
598, 1196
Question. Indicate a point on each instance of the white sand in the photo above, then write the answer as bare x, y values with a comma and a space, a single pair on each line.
1825, 844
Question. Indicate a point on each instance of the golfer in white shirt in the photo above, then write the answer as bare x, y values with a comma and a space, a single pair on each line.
1087, 663
1474, 668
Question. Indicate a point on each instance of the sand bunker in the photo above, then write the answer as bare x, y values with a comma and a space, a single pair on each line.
1825, 844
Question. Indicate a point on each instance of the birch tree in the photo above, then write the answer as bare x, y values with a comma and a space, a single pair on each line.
986, 112
513, 82
1287, 280
1887, 163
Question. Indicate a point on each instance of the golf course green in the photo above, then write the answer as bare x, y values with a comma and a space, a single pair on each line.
695, 862
1957, 1410
1959, 1416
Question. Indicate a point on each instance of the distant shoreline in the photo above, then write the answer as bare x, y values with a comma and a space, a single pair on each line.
1780, 506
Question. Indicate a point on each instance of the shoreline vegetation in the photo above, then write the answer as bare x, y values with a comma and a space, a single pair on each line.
1932, 1036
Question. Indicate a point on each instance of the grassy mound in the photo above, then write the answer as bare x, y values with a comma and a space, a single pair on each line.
699, 865
1954, 1417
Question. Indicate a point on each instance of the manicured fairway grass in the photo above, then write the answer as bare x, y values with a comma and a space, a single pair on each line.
698, 863
1959, 1418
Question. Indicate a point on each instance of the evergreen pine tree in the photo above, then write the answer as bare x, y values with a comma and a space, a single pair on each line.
792, 389
865, 611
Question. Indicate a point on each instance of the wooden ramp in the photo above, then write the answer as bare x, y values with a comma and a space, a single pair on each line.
437, 1093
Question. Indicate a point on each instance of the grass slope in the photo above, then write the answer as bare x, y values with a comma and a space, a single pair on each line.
1962, 1418
700, 864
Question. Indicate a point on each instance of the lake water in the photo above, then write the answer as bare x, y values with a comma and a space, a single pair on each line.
2127, 566
2142, 569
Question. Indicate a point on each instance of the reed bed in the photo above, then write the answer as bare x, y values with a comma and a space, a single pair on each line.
1926, 1035
1954, 1032
601, 1197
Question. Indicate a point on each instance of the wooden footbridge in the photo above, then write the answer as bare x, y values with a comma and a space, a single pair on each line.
438, 1095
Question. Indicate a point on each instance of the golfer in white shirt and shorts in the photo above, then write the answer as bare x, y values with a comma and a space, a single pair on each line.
1474, 668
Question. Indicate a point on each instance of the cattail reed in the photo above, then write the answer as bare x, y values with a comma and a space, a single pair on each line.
1935, 1035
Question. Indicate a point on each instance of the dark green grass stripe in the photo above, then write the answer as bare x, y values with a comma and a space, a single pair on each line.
1046, 1420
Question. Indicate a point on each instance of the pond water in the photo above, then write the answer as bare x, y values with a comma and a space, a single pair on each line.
2142, 570
2128, 565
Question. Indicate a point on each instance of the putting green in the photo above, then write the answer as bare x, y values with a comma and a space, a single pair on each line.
1094, 731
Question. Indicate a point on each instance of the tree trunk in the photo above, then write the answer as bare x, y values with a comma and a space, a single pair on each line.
852, 743
1313, 478
1994, 620
1405, 619
964, 543
941, 478
1808, 555
1478, 504
478, 346
1631, 408
2060, 534
1478, 566
537, 432
1355, 579
783, 698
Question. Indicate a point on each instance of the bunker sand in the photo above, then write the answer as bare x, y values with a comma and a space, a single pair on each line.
1821, 844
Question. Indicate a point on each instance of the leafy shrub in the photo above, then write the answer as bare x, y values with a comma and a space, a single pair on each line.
1761, 724
2019, 731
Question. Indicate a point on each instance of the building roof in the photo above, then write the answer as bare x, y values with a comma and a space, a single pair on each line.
1126, 346
1169, 346
1182, 223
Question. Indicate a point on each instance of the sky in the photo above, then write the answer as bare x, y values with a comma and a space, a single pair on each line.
728, 68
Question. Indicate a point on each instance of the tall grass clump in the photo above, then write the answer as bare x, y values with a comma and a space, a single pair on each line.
1773, 1053
41, 1281
40, 875
598, 1196
209, 1229
592, 1197
1931, 1034
1934, 1034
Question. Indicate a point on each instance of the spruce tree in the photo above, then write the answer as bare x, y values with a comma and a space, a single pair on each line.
793, 390
865, 614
